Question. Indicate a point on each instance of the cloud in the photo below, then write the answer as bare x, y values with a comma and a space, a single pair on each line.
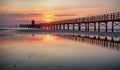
19, 15
16, 18
64, 15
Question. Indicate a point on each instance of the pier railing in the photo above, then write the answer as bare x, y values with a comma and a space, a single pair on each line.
107, 22
98, 18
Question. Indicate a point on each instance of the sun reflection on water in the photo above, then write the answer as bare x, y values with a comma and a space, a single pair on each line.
48, 37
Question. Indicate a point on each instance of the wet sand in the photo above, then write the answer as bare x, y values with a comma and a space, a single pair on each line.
29, 51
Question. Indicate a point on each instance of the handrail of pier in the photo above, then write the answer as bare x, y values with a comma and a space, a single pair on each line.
97, 18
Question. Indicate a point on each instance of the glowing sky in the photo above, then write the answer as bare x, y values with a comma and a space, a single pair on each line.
14, 12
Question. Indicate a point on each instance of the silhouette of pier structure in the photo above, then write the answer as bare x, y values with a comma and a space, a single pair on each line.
105, 22
101, 23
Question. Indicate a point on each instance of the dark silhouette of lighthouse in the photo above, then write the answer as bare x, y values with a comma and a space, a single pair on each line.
33, 23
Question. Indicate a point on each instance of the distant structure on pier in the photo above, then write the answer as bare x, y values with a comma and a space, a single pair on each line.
32, 25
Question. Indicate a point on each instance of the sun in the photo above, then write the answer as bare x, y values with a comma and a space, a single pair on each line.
48, 20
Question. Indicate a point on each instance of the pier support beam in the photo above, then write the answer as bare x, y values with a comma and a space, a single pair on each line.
50, 27
79, 26
67, 26
112, 24
88, 29
98, 26
106, 26
86, 26
53, 26
73, 26
47, 27
94, 26
63, 26
58, 26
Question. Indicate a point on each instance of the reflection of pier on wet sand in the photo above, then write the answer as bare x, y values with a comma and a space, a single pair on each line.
108, 42
106, 39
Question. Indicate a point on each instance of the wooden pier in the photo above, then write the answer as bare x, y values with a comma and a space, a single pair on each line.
100, 23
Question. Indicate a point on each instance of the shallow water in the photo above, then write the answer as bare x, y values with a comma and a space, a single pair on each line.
51, 52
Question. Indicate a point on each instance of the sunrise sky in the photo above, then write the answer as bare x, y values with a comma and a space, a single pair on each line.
15, 12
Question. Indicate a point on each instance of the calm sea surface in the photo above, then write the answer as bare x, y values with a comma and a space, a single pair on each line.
19, 51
